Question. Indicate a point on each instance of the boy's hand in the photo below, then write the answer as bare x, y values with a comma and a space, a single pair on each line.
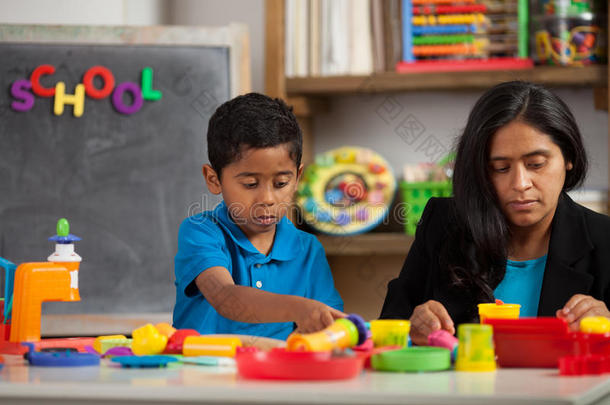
313, 316
581, 306
427, 318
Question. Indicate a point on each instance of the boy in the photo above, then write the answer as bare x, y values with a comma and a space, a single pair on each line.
243, 267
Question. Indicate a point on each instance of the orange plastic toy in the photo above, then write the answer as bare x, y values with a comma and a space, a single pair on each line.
35, 283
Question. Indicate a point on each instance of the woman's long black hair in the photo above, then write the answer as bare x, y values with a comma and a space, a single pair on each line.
476, 249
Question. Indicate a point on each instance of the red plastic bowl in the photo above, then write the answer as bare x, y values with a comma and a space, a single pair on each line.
541, 342
279, 364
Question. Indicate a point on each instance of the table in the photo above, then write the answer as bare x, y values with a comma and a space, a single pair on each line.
189, 384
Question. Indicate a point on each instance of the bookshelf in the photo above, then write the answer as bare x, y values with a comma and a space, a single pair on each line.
596, 76
376, 243
308, 96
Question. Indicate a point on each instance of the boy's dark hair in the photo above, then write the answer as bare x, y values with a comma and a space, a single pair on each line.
252, 120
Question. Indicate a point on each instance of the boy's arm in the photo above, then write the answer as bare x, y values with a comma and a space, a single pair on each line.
247, 304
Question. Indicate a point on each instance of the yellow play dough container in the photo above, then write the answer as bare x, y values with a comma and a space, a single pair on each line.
390, 332
499, 311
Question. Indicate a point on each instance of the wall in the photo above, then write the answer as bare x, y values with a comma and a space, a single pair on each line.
91, 12
223, 12
372, 121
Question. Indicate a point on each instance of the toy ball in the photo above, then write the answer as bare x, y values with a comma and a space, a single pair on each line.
346, 191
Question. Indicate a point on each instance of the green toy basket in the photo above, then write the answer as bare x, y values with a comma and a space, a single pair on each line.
416, 195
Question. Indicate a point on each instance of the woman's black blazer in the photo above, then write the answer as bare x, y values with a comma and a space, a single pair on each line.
578, 262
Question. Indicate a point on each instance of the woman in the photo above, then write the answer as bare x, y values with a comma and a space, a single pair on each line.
510, 232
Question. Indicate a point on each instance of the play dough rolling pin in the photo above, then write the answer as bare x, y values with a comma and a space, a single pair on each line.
343, 333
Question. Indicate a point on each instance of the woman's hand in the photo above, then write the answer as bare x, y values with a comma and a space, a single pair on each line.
427, 318
581, 306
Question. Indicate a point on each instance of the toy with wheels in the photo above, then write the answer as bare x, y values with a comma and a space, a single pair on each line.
346, 191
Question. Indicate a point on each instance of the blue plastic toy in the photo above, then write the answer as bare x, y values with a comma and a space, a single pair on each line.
65, 358
9, 278
144, 361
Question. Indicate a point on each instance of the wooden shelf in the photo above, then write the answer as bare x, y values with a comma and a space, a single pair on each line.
596, 76
367, 244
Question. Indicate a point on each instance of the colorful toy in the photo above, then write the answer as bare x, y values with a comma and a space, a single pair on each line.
566, 7
153, 361
584, 365
148, 340
9, 277
569, 41
435, 31
442, 338
498, 310
209, 361
35, 283
569, 32
343, 333
542, 342
176, 340
413, 359
595, 324
118, 351
280, 364
475, 348
104, 343
390, 332
60, 358
24, 91
78, 343
421, 182
165, 329
210, 346
346, 191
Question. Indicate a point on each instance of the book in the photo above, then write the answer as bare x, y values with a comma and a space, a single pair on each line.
360, 41
378, 36
392, 25
315, 23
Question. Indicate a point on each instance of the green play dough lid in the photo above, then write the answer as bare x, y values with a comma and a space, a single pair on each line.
351, 330
420, 358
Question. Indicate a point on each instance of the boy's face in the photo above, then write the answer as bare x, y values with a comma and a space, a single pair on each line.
258, 189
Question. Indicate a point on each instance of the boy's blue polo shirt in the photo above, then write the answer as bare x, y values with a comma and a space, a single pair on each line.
296, 265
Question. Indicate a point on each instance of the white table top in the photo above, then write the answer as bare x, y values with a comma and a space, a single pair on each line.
221, 385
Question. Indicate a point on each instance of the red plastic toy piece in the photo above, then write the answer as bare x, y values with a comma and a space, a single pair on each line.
584, 365
541, 342
176, 341
278, 364
424, 66
77, 343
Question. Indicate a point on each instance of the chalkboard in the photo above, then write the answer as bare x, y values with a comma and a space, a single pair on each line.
125, 182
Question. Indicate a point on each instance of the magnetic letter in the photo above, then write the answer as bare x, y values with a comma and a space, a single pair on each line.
77, 99
35, 79
147, 86
24, 99
136, 93
106, 76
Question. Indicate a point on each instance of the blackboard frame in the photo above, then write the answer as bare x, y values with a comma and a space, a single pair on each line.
233, 36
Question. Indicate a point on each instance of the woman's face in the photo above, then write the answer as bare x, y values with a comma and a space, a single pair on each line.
528, 172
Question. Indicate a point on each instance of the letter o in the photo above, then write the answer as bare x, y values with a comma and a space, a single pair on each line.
105, 74
117, 98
